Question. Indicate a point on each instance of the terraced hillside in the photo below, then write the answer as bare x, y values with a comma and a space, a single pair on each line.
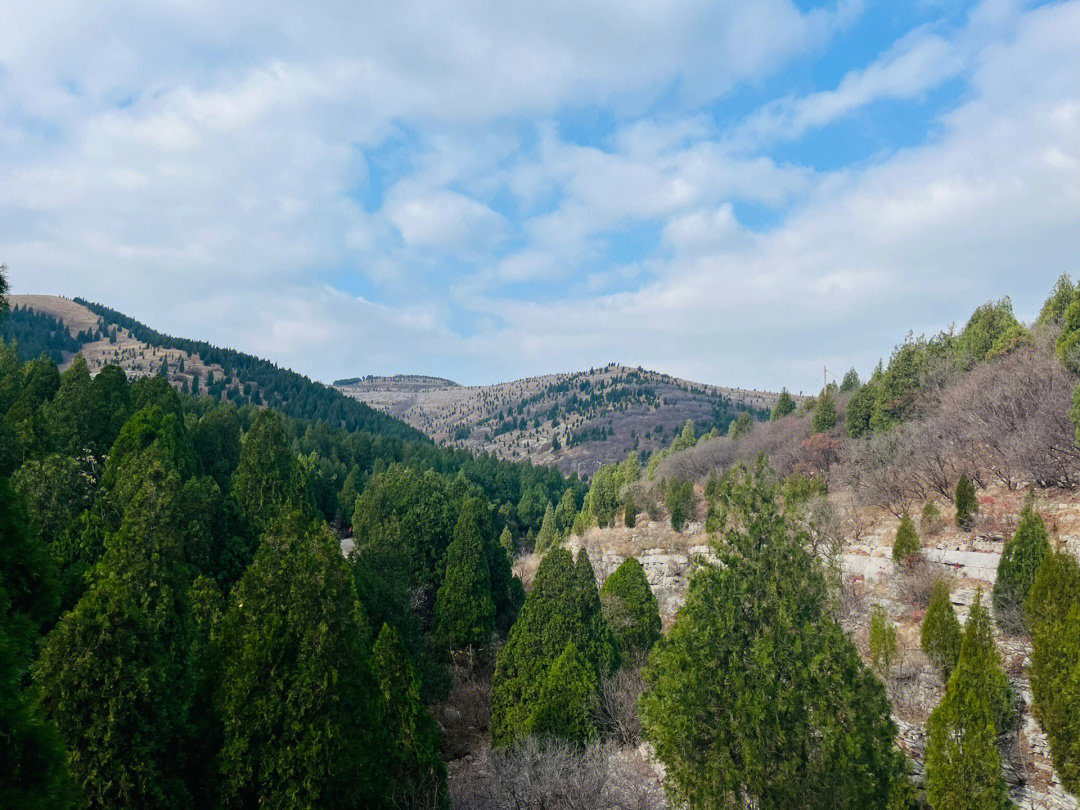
576, 420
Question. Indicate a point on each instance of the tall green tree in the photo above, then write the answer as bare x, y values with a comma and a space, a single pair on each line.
963, 766
464, 607
826, 414
756, 679
1053, 616
630, 608
217, 444
966, 503
548, 532
568, 703
1020, 562
562, 608
417, 774
302, 721
71, 412
940, 634
268, 482
784, 405
116, 674
1061, 296
906, 544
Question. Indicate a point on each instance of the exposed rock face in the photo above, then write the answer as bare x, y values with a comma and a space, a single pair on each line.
969, 559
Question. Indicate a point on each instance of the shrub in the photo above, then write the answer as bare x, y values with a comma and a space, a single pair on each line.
906, 545
940, 631
931, 522
966, 503
1020, 561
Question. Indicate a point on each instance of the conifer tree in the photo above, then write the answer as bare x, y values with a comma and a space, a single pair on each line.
1053, 616
506, 541
268, 482
966, 503
1020, 562
906, 545
312, 734
756, 679
563, 607
547, 534
940, 634
825, 413
565, 512
567, 706
784, 405
464, 607
963, 766
417, 775
630, 608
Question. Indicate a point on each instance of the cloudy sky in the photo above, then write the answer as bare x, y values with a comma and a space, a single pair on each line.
734, 192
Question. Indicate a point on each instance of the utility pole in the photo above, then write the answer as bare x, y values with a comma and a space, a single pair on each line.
824, 377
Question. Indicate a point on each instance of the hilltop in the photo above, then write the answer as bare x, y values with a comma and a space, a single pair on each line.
576, 421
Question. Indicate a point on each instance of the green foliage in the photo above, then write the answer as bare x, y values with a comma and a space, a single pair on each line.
268, 482
71, 412
216, 441
565, 512
799, 489
116, 674
686, 439
741, 426
679, 498
1053, 616
1068, 342
568, 703
963, 766
906, 545
563, 608
1061, 296
966, 503
464, 608
882, 641
850, 382
506, 540
630, 608
756, 679
860, 408
940, 635
548, 532
416, 774
602, 502
301, 720
987, 332
825, 413
1020, 562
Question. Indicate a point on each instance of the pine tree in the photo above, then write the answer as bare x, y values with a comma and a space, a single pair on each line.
906, 545
547, 534
756, 679
966, 503
567, 706
940, 634
1020, 561
630, 608
417, 774
963, 766
1053, 616
784, 405
464, 607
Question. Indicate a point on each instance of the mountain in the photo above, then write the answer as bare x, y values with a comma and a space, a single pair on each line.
576, 421
60, 327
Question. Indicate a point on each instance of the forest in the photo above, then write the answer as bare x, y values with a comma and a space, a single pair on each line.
205, 605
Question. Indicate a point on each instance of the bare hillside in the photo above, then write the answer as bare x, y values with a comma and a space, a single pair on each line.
575, 420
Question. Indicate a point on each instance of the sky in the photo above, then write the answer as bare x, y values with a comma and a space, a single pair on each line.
737, 193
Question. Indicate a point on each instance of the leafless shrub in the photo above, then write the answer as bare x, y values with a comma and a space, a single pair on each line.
619, 695
554, 775
916, 582
465, 715
882, 471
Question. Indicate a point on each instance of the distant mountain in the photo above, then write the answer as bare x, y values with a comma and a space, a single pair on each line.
575, 420
60, 327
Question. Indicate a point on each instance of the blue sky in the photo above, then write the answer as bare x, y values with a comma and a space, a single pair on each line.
739, 193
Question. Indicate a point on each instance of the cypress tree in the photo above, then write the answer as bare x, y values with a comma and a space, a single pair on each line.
417, 774
464, 608
784, 405
565, 512
630, 608
940, 634
1020, 561
1053, 616
568, 703
963, 766
562, 608
303, 725
966, 504
906, 545
756, 679
547, 534
506, 540
268, 482
825, 413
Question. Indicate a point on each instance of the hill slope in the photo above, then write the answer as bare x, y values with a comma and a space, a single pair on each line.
576, 420
105, 336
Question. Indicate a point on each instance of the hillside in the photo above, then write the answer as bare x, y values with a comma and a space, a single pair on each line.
105, 336
577, 421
